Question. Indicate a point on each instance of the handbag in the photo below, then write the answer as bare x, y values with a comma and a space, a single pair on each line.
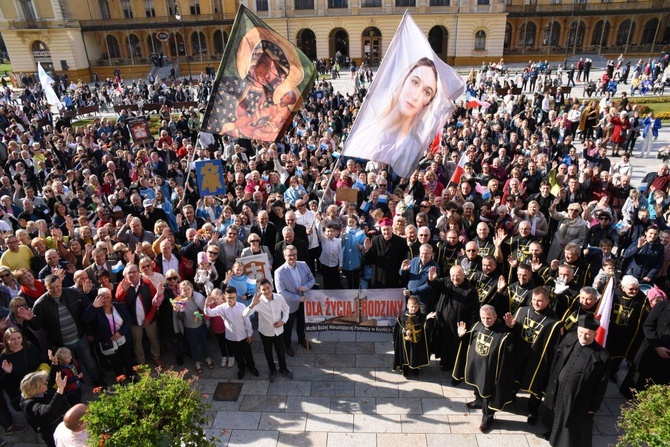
109, 347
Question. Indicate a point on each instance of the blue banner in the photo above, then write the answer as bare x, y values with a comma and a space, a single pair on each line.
210, 177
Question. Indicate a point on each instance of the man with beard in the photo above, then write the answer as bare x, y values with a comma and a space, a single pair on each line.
457, 303
486, 280
536, 330
564, 291
629, 311
577, 386
511, 298
471, 262
585, 304
582, 270
483, 240
484, 361
385, 254
449, 251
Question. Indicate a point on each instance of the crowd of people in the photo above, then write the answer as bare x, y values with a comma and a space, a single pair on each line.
106, 242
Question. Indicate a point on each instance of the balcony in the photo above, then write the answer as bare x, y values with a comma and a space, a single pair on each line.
28, 24
587, 8
156, 22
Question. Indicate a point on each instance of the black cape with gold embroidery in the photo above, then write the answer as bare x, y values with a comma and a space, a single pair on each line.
485, 361
535, 338
625, 330
412, 353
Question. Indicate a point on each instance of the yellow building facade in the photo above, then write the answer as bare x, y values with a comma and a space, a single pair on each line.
87, 37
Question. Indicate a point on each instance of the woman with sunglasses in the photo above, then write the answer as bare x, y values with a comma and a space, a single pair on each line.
571, 227
169, 327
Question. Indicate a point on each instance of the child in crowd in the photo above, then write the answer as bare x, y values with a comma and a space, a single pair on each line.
205, 274
238, 330
64, 362
218, 326
410, 345
236, 279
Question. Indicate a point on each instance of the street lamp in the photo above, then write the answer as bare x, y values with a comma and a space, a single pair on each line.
180, 18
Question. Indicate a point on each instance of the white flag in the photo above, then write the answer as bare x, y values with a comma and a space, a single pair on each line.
46, 81
408, 103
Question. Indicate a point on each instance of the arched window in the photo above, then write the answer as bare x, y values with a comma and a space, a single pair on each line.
601, 33
198, 43
438, 37
508, 35
134, 46
625, 33
480, 41
552, 32
220, 39
576, 34
113, 49
155, 45
527, 34
649, 32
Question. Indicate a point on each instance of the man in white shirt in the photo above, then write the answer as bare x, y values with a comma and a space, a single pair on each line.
72, 431
331, 257
239, 333
273, 314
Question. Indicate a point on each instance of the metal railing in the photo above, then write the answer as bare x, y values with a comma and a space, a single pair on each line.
568, 8
168, 21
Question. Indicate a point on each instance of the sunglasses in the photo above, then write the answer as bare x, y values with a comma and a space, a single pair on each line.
254, 240
173, 278
6, 275
603, 218
212, 252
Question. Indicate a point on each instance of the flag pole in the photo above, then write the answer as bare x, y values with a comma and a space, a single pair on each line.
190, 168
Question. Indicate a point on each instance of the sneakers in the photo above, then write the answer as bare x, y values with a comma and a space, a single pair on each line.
224, 362
15, 428
231, 362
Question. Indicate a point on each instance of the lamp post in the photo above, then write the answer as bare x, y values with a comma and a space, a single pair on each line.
180, 19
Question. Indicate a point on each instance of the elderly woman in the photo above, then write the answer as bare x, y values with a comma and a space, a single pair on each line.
43, 411
8, 280
189, 309
255, 248
571, 227
110, 322
17, 359
147, 269
170, 329
31, 288
538, 223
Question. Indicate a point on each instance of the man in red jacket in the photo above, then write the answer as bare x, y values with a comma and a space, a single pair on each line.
142, 301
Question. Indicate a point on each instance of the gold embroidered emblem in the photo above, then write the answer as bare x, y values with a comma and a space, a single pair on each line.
531, 330
621, 314
483, 344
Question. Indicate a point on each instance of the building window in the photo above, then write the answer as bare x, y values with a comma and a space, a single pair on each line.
480, 41
337, 4
195, 7
371, 3
405, 3
127, 9
261, 5
303, 4
439, 2
556, 2
216, 6
149, 8
483, 2
104, 10
28, 10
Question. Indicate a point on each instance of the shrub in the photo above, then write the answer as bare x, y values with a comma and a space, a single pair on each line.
645, 420
160, 408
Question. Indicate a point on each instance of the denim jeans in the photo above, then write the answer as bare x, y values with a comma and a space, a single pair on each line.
197, 337
82, 351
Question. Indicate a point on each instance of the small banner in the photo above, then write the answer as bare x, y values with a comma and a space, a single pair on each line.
139, 129
256, 267
210, 177
366, 310
261, 83
410, 99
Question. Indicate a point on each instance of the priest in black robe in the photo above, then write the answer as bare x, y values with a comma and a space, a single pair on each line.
410, 344
485, 361
576, 386
536, 330
385, 254
458, 302
652, 362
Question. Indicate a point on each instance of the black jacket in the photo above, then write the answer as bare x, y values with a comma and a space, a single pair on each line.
46, 314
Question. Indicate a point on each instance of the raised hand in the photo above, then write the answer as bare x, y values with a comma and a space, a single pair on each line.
501, 283
61, 382
52, 358
432, 273
7, 367
405, 265
461, 328
367, 244
509, 320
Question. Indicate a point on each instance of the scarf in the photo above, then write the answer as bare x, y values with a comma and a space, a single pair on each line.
34, 293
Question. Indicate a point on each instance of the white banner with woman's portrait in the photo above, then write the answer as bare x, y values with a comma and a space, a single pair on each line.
409, 102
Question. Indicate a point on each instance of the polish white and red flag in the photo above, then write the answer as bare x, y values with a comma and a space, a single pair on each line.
604, 313
460, 169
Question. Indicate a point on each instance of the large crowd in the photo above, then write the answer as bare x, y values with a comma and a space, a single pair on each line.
106, 242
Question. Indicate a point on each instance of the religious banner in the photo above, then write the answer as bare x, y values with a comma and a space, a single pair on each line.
209, 174
139, 129
366, 310
261, 82
410, 99
257, 267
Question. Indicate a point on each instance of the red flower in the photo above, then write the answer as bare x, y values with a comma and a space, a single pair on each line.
121, 378
97, 390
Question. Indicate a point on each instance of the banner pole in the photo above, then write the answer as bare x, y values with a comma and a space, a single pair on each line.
190, 168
